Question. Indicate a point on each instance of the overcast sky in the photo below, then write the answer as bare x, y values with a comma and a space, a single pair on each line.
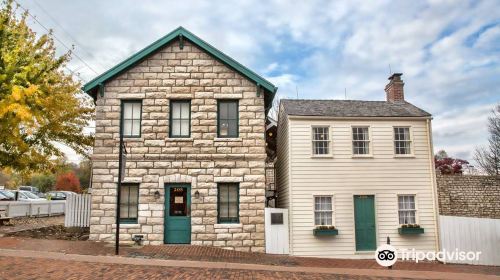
449, 51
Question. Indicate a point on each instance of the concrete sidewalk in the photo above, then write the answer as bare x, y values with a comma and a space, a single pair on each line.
241, 266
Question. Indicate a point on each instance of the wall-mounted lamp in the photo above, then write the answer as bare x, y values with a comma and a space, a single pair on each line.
258, 90
197, 194
157, 194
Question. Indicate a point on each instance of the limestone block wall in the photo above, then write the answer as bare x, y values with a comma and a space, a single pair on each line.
203, 160
469, 196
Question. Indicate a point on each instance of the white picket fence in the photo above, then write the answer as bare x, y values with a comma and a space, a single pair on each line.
16, 209
471, 235
78, 210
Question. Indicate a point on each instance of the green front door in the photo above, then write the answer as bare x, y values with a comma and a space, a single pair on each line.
364, 217
177, 214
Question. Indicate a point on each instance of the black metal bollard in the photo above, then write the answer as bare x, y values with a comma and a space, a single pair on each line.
388, 243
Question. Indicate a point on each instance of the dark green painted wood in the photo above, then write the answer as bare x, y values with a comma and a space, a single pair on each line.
325, 232
177, 229
180, 31
364, 217
403, 230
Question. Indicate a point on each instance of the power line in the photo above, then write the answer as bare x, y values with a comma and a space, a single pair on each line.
65, 31
61, 42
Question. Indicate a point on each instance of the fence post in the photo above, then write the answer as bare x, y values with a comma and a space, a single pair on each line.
8, 210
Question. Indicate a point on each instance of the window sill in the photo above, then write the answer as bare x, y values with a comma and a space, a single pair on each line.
128, 225
362, 156
404, 156
179, 139
322, 156
229, 139
133, 139
228, 225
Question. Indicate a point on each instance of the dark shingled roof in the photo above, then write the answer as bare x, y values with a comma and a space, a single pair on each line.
350, 108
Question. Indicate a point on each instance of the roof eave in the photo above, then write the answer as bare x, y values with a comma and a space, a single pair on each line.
291, 116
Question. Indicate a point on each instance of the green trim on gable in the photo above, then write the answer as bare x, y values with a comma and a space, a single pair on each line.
180, 31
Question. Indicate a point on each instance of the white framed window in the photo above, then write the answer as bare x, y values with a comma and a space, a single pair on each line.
321, 140
407, 210
323, 210
360, 140
402, 141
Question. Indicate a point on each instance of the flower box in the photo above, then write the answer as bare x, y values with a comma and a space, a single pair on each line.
325, 231
410, 230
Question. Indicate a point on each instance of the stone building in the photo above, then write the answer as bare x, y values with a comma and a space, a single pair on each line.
475, 196
194, 132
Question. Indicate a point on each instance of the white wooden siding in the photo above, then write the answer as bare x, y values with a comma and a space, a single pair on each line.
471, 235
383, 175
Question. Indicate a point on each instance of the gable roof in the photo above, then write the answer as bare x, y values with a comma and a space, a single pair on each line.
350, 108
269, 88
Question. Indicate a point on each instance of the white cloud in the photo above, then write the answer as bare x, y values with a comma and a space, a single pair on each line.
346, 45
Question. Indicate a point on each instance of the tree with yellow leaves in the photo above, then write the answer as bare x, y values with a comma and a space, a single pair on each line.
40, 104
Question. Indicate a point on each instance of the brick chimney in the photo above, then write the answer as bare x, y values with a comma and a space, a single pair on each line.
394, 88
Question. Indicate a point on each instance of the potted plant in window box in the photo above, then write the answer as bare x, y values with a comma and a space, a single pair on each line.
410, 229
325, 231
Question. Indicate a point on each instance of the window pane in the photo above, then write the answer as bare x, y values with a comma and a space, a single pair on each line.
185, 110
136, 127
176, 110
176, 127
223, 191
184, 128
127, 127
223, 108
127, 110
232, 128
224, 128
317, 203
136, 114
133, 195
124, 194
232, 110
123, 211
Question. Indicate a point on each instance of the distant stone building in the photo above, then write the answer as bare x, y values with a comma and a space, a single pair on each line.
194, 126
